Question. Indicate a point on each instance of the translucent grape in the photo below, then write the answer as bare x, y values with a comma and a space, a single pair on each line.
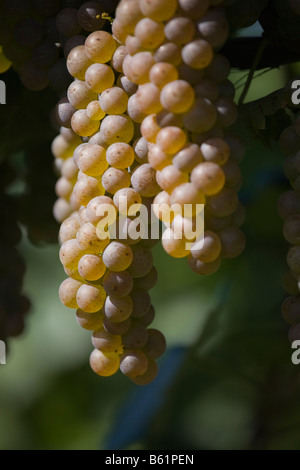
100, 46
104, 364
117, 256
90, 298
91, 267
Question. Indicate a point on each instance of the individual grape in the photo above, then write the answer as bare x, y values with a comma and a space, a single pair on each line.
118, 58
148, 98
148, 376
78, 62
91, 267
187, 158
127, 85
159, 10
118, 33
120, 155
134, 111
118, 284
233, 242
293, 259
189, 198
45, 54
208, 177
133, 363
215, 150
136, 337
94, 111
132, 44
106, 342
113, 100
171, 139
288, 204
177, 96
175, 247
70, 253
201, 117
143, 180
89, 321
137, 67
180, 30
82, 124
64, 112
118, 309
149, 33
213, 27
79, 95
114, 179
227, 112
204, 269
117, 256
219, 69
222, 204
61, 210
116, 328
128, 14
89, 16
63, 188
117, 129
90, 298
67, 292
140, 148
67, 23
147, 281
99, 77
88, 240
156, 344
150, 128
193, 8
142, 262
148, 317
92, 160
127, 201
104, 364
73, 42
141, 302
197, 54
168, 52
69, 228
227, 89
100, 46
210, 249
170, 177
32, 77
86, 189
162, 73
207, 88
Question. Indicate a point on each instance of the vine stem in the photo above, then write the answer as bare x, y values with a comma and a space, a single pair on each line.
265, 42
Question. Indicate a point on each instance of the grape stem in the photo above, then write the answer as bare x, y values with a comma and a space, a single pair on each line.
262, 46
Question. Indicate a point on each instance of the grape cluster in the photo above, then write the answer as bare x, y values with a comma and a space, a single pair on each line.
289, 209
184, 104
13, 304
105, 249
37, 35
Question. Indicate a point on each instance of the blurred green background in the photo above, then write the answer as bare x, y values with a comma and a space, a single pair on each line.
226, 380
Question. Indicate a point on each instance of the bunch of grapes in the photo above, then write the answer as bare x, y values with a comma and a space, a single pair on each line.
289, 210
105, 246
37, 35
13, 304
187, 102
